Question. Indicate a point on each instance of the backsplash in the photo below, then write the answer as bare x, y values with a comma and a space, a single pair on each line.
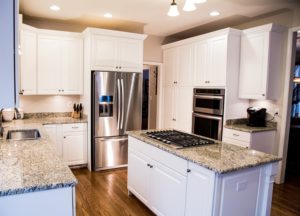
47, 103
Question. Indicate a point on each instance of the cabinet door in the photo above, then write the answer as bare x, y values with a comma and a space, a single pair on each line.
201, 63
170, 66
139, 175
200, 190
28, 62
72, 66
74, 148
168, 190
217, 62
183, 105
168, 107
130, 55
186, 65
104, 53
55, 134
253, 69
49, 65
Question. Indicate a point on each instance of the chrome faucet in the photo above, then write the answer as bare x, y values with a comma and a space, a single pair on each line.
1, 127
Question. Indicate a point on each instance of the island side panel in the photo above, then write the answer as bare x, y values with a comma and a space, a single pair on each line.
58, 202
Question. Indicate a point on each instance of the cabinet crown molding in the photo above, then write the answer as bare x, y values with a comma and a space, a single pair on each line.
226, 31
266, 28
114, 33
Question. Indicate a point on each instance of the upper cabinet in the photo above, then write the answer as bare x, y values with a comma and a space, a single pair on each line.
261, 62
59, 64
8, 57
211, 62
51, 62
28, 75
116, 52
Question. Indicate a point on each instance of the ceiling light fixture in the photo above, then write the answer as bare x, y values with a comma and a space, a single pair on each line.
199, 1
107, 15
173, 10
214, 13
54, 7
189, 5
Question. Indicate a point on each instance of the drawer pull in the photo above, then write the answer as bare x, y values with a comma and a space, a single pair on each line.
235, 135
74, 127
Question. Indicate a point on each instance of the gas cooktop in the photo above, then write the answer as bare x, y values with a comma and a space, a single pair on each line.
178, 139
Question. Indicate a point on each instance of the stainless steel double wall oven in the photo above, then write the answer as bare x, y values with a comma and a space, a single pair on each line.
208, 110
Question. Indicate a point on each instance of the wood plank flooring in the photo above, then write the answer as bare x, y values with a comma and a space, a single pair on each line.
105, 194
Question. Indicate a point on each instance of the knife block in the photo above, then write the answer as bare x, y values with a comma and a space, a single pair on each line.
76, 115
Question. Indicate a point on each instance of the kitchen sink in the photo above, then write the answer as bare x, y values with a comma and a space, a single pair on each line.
26, 134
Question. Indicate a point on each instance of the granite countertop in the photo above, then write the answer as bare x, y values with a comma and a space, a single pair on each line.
241, 125
220, 157
33, 165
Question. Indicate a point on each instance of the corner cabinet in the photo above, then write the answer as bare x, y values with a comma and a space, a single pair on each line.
116, 53
70, 141
261, 62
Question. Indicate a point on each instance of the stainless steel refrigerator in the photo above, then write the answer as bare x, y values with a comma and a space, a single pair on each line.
116, 108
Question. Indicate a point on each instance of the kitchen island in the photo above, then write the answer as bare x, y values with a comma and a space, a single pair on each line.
33, 179
216, 179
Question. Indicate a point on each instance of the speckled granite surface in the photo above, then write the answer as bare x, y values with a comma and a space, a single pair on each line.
32, 165
241, 125
220, 158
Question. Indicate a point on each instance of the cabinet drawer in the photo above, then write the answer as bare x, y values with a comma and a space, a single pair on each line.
177, 164
236, 142
237, 135
73, 127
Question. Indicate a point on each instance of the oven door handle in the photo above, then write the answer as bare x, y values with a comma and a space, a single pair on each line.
209, 97
208, 116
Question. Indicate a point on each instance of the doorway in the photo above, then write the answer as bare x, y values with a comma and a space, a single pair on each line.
150, 96
293, 159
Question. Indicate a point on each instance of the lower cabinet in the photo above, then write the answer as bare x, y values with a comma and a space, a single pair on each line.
261, 141
171, 186
70, 141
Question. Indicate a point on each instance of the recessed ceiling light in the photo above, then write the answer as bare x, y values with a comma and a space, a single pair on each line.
214, 13
107, 15
54, 8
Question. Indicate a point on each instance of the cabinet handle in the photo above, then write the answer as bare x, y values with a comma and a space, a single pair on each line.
62, 90
21, 92
116, 67
188, 170
208, 81
120, 67
235, 135
263, 95
74, 127
151, 166
65, 137
59, 90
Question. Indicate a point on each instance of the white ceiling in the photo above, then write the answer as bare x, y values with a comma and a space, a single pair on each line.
152, 13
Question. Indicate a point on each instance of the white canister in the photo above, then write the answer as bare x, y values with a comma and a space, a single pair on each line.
8, 114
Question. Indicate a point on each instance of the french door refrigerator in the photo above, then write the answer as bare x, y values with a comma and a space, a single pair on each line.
116, 108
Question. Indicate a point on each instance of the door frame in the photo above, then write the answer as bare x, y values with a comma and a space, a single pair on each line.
286, 103
159, 92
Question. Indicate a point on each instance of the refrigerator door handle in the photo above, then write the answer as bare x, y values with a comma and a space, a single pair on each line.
122, 119
119, 103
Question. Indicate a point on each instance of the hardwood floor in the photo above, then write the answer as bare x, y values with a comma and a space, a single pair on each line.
105, 193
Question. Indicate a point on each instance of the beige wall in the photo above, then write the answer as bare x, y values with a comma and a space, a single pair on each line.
33, 104
152, 48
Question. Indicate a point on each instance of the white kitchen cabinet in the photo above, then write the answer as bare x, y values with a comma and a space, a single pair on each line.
200, 190
211, 62
261, 141
70, 141
28, 60
170, 185
261, 62
178, 107
59, 64
117, 54
179, 65
158, 186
